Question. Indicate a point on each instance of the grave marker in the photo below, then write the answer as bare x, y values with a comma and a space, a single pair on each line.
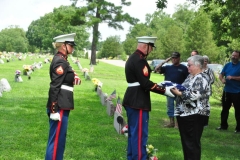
118, 122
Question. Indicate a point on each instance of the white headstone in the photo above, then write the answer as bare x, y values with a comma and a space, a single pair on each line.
79, 65
5, 85
1, 61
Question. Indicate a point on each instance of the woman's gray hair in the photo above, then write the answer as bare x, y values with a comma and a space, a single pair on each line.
197, 60
206, 57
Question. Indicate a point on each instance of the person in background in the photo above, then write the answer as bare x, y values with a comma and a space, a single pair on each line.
137, 101
194, 52
230, 76
191, 108
175, 73
211, 78
60, 96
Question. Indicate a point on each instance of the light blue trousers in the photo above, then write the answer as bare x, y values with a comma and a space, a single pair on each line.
170, 106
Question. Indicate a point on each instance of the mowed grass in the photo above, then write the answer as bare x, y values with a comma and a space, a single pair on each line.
91, 135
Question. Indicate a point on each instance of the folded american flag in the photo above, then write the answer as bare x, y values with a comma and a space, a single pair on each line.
169, 83
77, 80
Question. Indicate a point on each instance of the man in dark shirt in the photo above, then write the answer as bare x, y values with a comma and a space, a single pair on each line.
175, 73
137, 101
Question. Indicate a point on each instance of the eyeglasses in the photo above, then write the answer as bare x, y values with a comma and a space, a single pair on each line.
71, 45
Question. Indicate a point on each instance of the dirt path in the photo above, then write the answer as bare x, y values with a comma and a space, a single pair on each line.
119, 63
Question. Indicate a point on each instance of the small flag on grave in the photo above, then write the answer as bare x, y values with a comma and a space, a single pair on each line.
119, 106
112, 96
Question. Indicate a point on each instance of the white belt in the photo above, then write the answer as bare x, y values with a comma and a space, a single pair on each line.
67, 88
133, 84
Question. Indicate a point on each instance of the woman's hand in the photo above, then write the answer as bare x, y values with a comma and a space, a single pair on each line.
176, 91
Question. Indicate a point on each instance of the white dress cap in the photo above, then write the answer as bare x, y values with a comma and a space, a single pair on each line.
65, 37
146, 39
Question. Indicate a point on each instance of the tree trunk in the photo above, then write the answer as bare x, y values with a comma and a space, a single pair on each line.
95, 39
94, 44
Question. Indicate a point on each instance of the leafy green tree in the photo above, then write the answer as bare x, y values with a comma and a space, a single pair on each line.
183, 16
200, 36
41, 32
173, 41
225, 18
111, 47
130, 44
102, 11
13, 39
159, 22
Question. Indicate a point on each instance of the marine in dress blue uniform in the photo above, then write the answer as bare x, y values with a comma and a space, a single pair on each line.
60, 100
137, 101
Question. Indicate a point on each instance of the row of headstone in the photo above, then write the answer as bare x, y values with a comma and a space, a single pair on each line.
84, 70
27, 70
118, 121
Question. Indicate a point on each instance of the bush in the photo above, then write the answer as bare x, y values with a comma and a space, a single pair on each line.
123, 56
217, 88
86, 55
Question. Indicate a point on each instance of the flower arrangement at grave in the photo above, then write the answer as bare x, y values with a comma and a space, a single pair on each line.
125, 130
96, 83
84, 70
151, 152
26, 69
17, 72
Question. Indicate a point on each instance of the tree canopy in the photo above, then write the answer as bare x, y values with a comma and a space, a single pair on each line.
224, 15
13, 39
61, 21
102, 11
111, 47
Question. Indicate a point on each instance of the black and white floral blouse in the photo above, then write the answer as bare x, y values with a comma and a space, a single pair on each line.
194, 99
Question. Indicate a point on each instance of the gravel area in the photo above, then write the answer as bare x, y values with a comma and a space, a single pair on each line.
119, 63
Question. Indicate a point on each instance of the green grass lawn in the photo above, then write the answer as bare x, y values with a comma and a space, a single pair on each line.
91, 135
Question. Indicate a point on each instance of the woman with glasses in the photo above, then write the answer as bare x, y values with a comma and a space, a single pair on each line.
192, 107
60, 100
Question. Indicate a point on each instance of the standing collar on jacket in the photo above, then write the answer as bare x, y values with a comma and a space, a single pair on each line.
63, 55
141, 54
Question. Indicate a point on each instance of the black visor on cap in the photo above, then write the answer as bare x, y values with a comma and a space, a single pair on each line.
152, 45
71, 43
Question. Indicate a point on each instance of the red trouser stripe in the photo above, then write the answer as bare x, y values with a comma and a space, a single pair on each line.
57, 136
140, 135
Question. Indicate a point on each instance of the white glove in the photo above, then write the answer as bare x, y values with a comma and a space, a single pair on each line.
55, 116
168, 91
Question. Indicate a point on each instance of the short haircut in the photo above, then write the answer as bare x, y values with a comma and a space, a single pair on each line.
195, 51
206, 57
197, 60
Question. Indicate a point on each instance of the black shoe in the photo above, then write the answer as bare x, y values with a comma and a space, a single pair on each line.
237, 131
220, 128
